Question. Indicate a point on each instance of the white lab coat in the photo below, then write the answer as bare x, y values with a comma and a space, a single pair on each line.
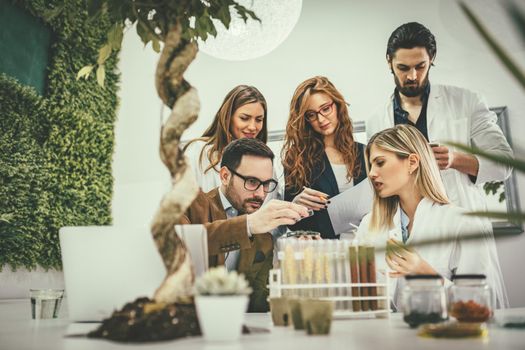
447, 224
459, 115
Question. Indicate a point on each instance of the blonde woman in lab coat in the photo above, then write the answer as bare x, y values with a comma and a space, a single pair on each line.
411, 206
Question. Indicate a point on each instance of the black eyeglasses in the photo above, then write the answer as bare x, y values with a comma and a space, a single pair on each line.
253, 183
325, 111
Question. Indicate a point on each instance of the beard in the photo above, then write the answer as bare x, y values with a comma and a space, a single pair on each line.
411, 88
242, 206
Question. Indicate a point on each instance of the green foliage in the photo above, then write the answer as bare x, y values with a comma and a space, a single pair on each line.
491, 188
518, 19
154, 19
513, 162
56, 151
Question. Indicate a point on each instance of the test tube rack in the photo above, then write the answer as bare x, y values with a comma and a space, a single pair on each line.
363, 300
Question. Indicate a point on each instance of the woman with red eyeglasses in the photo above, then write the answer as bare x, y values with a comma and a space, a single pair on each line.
320, 157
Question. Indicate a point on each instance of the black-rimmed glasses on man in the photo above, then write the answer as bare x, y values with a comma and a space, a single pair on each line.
252, 183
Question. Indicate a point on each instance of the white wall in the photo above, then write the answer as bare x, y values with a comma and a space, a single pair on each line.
344, 40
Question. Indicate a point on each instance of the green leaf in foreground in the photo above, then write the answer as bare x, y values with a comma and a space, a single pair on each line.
494, 45
515, 163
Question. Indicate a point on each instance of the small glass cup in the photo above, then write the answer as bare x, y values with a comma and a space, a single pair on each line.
45, 303
295, 310
280, 310
317, 315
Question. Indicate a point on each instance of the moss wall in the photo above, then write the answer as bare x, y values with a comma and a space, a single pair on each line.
56, 150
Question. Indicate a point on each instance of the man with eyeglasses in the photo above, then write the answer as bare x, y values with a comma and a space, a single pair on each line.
238, 225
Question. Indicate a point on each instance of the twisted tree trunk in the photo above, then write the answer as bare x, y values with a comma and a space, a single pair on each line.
178, 94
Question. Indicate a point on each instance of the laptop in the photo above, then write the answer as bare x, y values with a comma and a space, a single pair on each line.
106, 267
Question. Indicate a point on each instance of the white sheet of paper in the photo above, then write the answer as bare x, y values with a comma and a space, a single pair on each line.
350, 206
196, 239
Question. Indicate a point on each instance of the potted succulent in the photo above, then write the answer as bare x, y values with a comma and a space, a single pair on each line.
221, 298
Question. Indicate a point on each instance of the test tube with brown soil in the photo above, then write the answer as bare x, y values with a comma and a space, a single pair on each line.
363, 276
354, 276
371, 269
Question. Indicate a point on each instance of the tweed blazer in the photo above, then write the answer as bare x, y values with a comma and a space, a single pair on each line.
225, 235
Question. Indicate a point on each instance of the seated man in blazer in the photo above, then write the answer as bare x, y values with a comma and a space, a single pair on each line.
238, 225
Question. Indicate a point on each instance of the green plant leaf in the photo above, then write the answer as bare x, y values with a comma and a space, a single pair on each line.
517, 16
101, 75
84, 72
7, 217
493, 44
115, 36
156, 45
103, 54
205, 26
223, 14
143, 32
245, 13
515, 163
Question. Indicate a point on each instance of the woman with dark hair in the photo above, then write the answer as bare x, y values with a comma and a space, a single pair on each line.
242, 114
320, 157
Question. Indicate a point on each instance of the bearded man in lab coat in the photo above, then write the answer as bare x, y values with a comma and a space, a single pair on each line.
443, 113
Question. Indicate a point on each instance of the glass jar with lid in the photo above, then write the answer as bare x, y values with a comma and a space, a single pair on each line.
424, 300
470, 298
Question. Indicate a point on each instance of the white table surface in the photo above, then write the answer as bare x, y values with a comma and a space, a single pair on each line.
19, 331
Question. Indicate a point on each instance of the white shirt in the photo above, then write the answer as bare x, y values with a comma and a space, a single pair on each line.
340, 172
232, 258
206, 181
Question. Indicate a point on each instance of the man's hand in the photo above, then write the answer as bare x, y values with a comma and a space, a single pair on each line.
462, 162
312, 199
443, 156
405, 261
275, 213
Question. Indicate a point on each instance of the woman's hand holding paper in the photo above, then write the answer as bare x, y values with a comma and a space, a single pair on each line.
312, 199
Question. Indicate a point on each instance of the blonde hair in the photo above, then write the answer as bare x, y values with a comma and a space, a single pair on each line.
405, 140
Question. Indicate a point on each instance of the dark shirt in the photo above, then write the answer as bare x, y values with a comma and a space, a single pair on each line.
325, 181
401, 116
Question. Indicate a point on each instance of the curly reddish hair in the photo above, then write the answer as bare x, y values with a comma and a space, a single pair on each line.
303, 146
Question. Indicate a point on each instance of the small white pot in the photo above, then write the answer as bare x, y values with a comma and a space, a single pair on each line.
221, 317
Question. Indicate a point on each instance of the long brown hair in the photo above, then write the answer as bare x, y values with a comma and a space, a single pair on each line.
404, 140
303, 146
218, 134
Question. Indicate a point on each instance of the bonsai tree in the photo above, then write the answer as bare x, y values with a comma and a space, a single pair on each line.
172, 27
176, 25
